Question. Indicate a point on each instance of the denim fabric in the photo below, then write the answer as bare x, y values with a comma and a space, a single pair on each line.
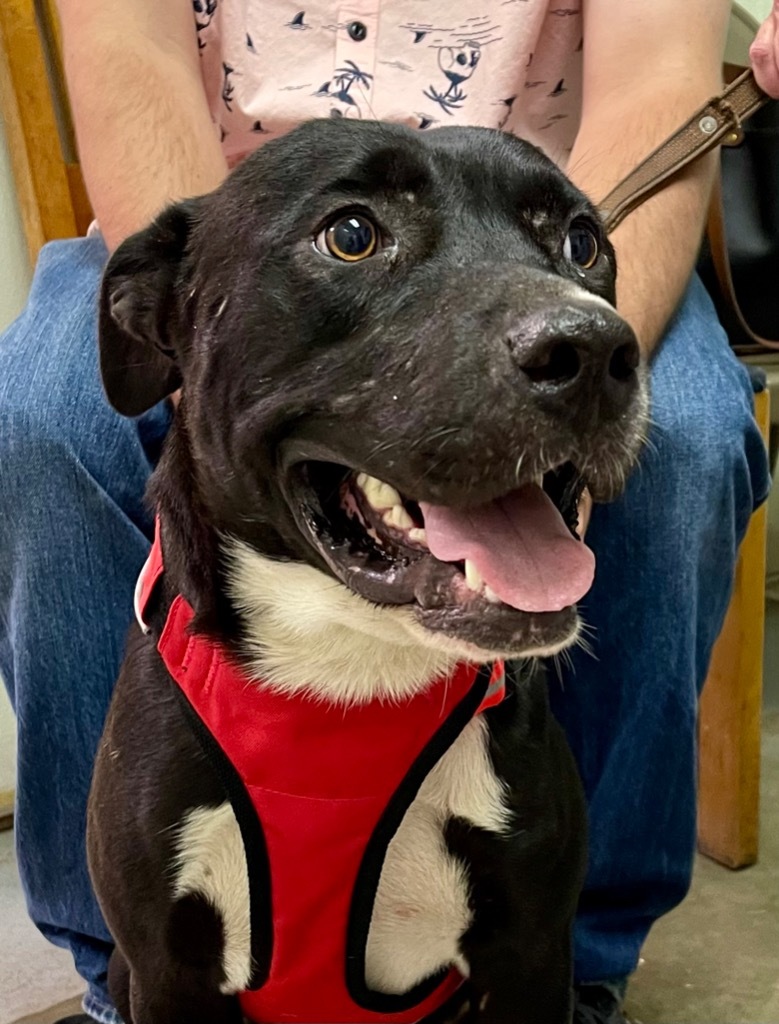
73, 536
74, 532
666, 554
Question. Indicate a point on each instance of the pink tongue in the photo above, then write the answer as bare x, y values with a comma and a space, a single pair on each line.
520, 545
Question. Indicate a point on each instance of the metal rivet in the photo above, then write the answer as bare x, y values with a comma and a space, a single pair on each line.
708, 124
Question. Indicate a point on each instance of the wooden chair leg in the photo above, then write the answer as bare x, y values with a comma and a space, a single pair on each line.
729, 716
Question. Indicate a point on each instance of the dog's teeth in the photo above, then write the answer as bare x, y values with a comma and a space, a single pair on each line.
473, 577
398, 517
490, 594
417, 536
379, 494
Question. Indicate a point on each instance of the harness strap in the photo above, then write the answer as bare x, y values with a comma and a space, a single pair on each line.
153, 569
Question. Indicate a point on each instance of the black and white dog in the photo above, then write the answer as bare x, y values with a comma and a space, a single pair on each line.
399, 365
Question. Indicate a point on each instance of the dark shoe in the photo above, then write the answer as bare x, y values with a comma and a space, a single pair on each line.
597, 1004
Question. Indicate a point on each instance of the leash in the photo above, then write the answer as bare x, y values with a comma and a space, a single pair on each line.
717, 123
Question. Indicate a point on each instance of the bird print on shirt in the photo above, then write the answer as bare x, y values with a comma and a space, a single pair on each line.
228, 86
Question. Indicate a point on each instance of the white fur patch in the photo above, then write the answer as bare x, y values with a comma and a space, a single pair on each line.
463, 783
581, 294
211, 861
306, 632
422, 904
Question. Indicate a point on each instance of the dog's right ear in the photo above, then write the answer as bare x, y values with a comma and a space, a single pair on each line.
139, 329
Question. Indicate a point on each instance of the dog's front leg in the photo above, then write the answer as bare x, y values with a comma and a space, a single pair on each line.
524, 991
167, 860
166, 992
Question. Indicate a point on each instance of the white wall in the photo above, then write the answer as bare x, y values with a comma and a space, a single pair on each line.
758, 8
14, 281
14, 262
7, 746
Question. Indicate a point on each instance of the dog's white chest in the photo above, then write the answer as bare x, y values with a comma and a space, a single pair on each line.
422, 905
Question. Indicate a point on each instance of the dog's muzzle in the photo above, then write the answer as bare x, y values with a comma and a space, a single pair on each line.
504, 576
502, 567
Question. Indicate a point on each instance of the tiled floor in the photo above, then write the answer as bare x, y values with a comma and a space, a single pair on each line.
715, 960
53, 1013
33, 974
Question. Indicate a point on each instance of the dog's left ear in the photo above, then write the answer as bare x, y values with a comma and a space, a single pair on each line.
140, 331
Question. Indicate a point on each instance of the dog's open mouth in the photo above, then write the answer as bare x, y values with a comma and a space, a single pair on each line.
501, 575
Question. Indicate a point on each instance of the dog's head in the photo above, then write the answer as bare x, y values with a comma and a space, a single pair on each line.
400, 363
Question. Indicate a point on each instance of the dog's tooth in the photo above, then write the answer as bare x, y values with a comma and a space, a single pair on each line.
371, 487
398, 517
379, 494
417, 535
490, 594
473, 577
389, 497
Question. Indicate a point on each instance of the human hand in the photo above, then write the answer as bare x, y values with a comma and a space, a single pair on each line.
764, 53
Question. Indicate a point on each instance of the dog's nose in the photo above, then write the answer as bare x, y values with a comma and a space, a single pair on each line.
579, 357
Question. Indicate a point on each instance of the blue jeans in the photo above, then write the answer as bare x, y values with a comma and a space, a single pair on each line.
74, 533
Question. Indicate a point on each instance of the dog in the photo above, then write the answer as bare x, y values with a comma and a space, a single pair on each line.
399, 365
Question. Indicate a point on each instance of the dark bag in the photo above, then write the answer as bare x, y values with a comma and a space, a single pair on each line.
743, 232
740, 258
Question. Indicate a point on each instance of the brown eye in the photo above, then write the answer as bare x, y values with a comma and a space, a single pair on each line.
350, 238
581, 245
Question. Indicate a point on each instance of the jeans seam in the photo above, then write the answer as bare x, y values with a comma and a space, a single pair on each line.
100, 1010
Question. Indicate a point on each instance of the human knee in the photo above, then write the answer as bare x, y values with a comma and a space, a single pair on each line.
704, 434
51, 402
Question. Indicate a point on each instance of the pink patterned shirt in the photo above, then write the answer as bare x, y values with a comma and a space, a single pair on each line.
510, 64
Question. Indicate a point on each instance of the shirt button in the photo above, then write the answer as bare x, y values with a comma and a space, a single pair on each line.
357, 31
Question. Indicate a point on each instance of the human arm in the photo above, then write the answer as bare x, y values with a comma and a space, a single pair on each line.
764, 53
142, 121
647, 67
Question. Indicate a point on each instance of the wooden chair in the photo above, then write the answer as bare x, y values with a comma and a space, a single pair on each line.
730, 708
54, 205
50, 189
731, 705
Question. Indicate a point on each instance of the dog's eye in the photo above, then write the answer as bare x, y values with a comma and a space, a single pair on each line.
351, 238
581, 245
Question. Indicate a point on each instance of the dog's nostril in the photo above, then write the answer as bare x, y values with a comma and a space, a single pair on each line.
558, 363
624, 361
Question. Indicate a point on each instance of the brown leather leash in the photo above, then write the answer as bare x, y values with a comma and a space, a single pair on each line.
717, 123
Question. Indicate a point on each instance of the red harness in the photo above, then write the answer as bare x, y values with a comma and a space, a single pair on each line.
319, 791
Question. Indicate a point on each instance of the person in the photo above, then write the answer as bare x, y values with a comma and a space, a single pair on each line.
166, 99
764, 53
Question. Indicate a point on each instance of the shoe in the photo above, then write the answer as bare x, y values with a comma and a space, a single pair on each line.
597, 1004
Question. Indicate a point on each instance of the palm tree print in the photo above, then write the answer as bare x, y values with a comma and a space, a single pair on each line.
345, 78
